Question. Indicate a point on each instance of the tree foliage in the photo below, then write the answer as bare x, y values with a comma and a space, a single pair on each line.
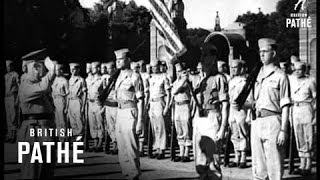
259, 25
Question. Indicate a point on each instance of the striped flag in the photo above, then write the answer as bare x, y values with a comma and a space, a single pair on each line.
164, 23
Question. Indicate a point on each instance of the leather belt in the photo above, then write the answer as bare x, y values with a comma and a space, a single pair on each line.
40, 116
183, 102
111, 103
296, 103
127, 104
261, 113
215, 106
57, 96
74, 98
93, 100
156, 99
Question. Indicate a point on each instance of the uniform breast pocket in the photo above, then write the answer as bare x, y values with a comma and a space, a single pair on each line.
274, 89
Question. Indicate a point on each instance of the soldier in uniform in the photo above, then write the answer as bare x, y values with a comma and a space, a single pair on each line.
95, 87
24, 70
284, 67
303, 93
159, 90
222, 68
103, 69
269, 130
111, 107
76, 100
11, 101
129, 124
38, 113
60, 91
135, 67
182, 96
148, 69
210, 121
237, 117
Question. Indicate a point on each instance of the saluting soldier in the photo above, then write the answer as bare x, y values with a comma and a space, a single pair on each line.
182, 96
237, 117
11, 101
159, 106
95, 87
76, 100
129, 124
269, 129
222, 68
60, 91
210, 122
38, 113
303, 93
111, 106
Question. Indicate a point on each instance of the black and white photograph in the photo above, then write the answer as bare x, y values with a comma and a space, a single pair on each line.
159, 89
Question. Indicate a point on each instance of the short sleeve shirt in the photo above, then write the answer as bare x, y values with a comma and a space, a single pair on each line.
60, 87
272, 90
77, 87
11, 83
184, 94
95, 87
159, 84
236, 85
302, 89
129, 86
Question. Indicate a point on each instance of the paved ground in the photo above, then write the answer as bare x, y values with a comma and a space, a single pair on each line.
102, 166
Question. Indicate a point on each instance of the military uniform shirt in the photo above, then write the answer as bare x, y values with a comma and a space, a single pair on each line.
77, 86
236, 85
129, 86
301, 89
11, 83
95, 87
272, 90
158, 83
60, 87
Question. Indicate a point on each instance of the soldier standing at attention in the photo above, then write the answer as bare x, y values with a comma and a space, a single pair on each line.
95, 87
303, 93
237, 117
38, 113
159, 90
145, 79
111, 107
11, 101
222, 68
269, 130
182, 96
76, 100
210, 122
129, 124
60, 91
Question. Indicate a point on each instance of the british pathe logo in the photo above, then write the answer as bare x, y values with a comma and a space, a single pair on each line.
299, 19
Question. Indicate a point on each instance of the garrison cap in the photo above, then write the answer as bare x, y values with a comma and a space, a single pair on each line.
263, 42
236, 62
283, 64
141, 62
8, 62
148, 66
110, 64
199, 65
74, 65
95, 63
154, 63
104, 64
300, 65
134, 65
121, 53
221, 63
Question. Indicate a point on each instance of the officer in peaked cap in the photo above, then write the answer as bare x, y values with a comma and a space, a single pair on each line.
272, 100
38, 112
129, 125
11, 101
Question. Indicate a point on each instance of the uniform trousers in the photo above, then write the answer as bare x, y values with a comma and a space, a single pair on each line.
267, 156
110, 123
205, 146
127, 141
11, 112
60, 118
37, 170
182, 124
75, 116
158, 124
95, 120
302, 124
239, 132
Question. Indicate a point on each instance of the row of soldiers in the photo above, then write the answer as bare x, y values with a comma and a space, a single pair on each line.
199, 103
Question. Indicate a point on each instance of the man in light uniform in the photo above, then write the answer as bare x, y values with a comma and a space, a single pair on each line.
111, 107
38, 113
135, 66
95, 87
103, 69
303, 93
11, 101
60, 91
76, 100
159, 90
222, 68
145, 79
129, 124
181, 95
237, 117
209, 124
269, 129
